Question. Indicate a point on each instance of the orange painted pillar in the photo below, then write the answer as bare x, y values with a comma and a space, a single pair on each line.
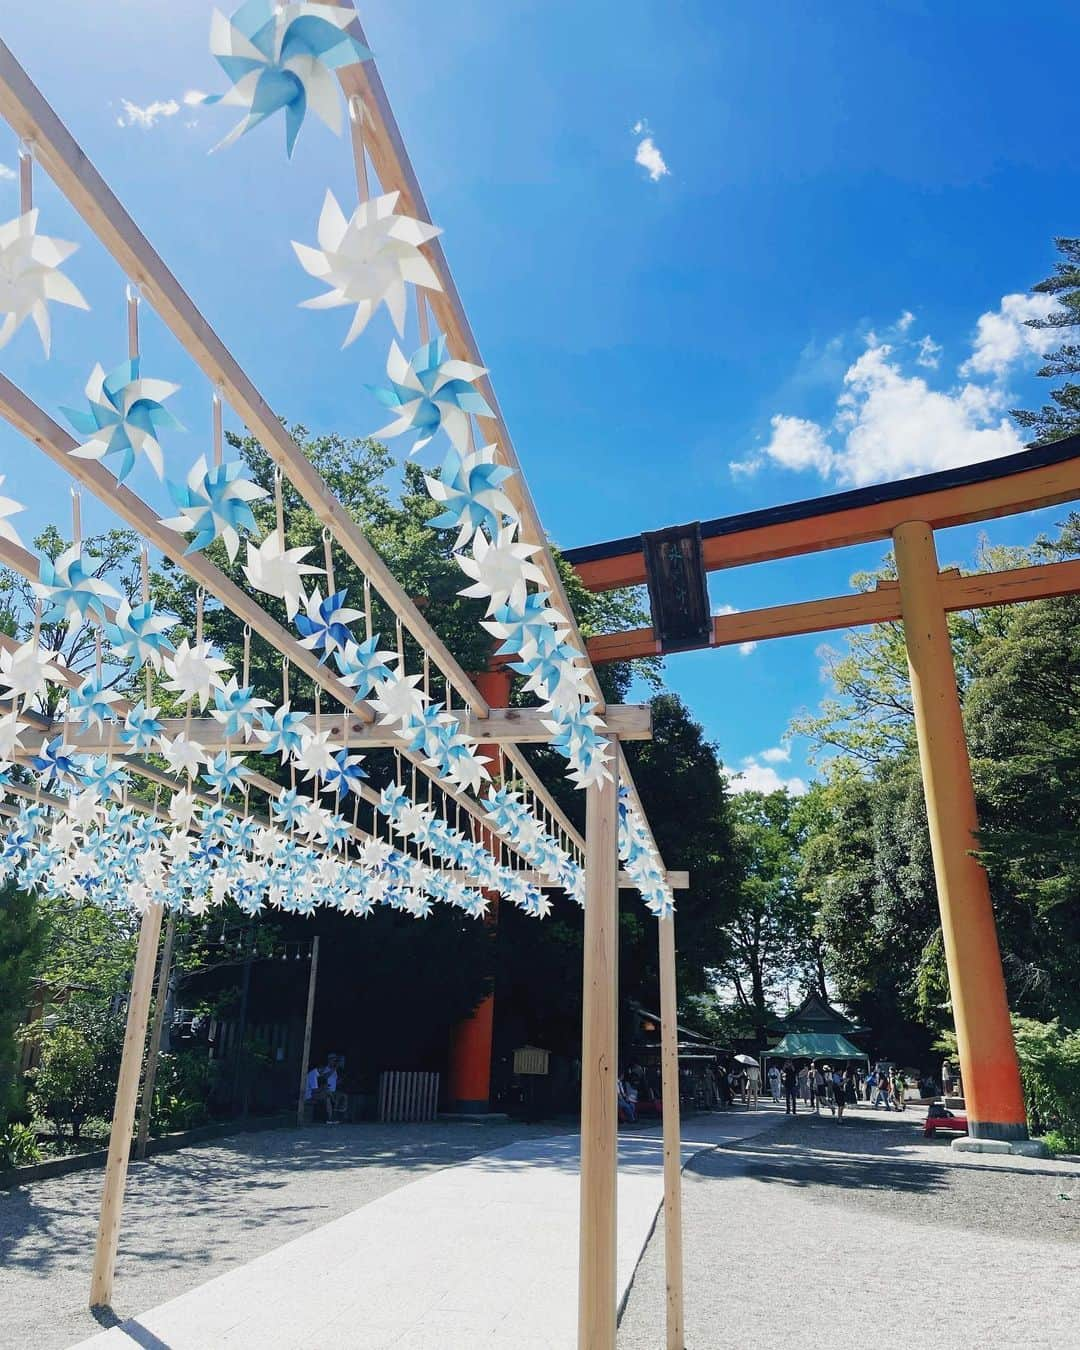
469, 1068
993, 1094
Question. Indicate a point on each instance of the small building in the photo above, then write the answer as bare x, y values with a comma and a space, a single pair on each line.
818, 1031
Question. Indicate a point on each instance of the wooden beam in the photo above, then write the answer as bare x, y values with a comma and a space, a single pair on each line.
1037, 477
146, 1110
502, 725
669, 1072
309, 1016
959, 592
127, 1091
32, 117
599, 1055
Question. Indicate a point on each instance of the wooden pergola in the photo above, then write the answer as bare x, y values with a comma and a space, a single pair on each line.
907, 513
377, 148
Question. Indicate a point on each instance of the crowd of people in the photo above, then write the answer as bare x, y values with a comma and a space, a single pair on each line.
822, 1085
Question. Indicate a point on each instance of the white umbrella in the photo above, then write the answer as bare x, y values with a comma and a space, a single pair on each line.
746, 1059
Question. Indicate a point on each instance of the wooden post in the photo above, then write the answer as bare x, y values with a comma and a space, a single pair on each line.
307, 1030
599, 1049
127, 1090
669, 1068
164, 974
993, 1093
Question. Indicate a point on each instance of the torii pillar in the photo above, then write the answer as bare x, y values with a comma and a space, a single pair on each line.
993, 1094
469, 1085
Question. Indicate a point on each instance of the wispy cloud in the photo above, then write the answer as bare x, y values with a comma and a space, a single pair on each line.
6, 172
757, 777
648, 154
745, 648
135, 116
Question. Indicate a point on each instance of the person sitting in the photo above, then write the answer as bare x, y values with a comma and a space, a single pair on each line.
337, 1102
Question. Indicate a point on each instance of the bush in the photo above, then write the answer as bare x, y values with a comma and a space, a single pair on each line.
1050, 1070
1056, 1142
182, 1091
18, 1147
78, 1067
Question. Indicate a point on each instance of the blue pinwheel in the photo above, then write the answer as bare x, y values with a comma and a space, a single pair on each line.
56, 762
139, 635
282, 56
214, 820
241, 831
71, 588
215, 504
147, 833
237, 709
517, 627
337, 830
282, 732
323, 625
90, 703
345, 776
225, 773
431, 391
126, 416
105, 778
470, 490
286, 807
361, 664
142, 729
425, 731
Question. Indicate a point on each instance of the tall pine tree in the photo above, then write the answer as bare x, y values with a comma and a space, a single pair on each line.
1062, 416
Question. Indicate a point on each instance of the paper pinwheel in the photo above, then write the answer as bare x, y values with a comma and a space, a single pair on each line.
55, 761
26, 671
237, 709
362, 663
183, 808
429, 392
366, 260
9, 507
11, 729
323, 626
286, 807
345, 775
316, 755
183, 755
194, 671
90, 703
470, 490
139, 635
518, 627
425, 731
463, 766
276, 570
105, 778
225, 773
282, 56
71, 588
126, 416
282, 732
30, 277
214, 504
500, 569
397, 698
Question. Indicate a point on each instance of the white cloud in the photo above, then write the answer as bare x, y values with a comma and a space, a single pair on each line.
134, 116
777, 754
648, 154
795, 443
1002, 337
929, 353
745, 648
6, 172
194, 97
905, 321
755, 777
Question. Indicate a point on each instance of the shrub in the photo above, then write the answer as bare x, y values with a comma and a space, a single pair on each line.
1050, 1070
182, 1090
18, 1147
78, 1066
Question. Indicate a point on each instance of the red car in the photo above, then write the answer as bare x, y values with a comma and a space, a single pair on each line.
940, 1119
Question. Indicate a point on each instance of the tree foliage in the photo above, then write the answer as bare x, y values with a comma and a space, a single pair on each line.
1060, 417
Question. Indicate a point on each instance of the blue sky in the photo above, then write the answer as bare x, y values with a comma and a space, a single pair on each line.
816, 274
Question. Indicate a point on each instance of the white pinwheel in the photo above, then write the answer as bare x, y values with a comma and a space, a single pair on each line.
194, 672
10, 732
317, 755
276, 570
9, 507
431, 391
25, 671
367, 259
183, 755
397, 698
125, 417
30, 277
500, 569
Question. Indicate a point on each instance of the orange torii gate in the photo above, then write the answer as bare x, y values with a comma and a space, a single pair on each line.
674, 563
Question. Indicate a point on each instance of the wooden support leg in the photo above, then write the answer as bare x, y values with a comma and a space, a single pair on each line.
669, 1068
599, 1048
306, 1055
146, 1106
127, 1091
992, 1090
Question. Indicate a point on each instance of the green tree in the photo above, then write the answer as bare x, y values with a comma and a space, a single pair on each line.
23, 932
1061, 417
79, 1060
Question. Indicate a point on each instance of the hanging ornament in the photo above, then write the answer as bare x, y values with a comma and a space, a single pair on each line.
214, 504
276, 570
183, 755
470, 490
27, 670
71, 589
431, 391
500, 569
30, 277
237, 709
225, 773
126, 416
282, 732
142, 730
9, 507
91, 703
323, 626
344, 775
194, 672
361, 664
282, 56
56, 762
139, 635
368, 259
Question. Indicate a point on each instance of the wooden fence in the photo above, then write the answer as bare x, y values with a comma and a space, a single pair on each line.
408, 1096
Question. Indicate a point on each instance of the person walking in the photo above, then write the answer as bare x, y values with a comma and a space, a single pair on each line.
836, 1087
774, 1083
790, 1080
851, 1087
898, 1087
804, 1084
818, 1088
946, 1079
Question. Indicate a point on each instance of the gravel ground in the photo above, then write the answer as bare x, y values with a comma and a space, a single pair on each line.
815, 1232
194, 1214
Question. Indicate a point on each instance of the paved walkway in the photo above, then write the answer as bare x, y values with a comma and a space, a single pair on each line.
482, 1254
